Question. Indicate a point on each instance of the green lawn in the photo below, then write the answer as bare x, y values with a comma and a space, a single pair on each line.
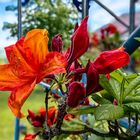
7, 119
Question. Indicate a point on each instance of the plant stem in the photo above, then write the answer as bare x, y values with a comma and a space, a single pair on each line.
61, 113
46, 133
88, 129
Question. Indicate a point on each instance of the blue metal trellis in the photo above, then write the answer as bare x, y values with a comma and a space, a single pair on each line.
17, 121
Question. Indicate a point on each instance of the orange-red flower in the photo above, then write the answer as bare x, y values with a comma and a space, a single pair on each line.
29, 62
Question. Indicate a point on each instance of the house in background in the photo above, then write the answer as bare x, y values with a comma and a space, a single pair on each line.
125, 18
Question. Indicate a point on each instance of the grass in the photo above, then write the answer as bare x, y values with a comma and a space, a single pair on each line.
7, 119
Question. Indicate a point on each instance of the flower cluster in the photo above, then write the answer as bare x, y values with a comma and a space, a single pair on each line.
107, 38
30, 62
38, 119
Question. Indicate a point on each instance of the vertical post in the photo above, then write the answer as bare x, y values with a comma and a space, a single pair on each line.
85, 6
17, 121
19, 19
132, 16
131, 66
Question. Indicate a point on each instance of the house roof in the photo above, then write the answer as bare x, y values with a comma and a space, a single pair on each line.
125, 18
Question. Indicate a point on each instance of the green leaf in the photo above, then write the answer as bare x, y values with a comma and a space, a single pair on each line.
122, 91
108, 112
133, 107
137, 92
132, 85
107, 95
137, 38
116, 86
118, 75
130, 99
131, 76
91, 120
99, 99
104, 82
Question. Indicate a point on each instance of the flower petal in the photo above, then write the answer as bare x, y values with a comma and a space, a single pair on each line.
18, 62
18, 97
92, 78
109, 61
80, 42
36, 44
52, 116
76, 94
8, 79
55, 63
30, 136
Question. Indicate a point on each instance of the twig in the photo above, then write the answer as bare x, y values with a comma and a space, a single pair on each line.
61, 113
46, 133
88, 129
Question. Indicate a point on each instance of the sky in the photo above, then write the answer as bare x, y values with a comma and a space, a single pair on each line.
97, 17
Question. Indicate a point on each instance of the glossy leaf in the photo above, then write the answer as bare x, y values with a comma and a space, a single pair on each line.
133, 107
131, 99
133, 84
108, 112
99, 99
104, 82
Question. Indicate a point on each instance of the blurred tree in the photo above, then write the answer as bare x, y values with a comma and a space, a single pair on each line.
56, 16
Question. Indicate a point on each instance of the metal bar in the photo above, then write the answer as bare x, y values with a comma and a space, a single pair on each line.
19, 20
131, 66
17, 121
85, 5
131, 41
111, 13
132, 16
45, 85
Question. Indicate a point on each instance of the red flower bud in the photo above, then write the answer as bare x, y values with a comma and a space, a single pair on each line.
57, 43
92, 78
111, 29
77, 71
80, 42
95, 39
102, 34
76, 94
115, 102
109, 61
76, 27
